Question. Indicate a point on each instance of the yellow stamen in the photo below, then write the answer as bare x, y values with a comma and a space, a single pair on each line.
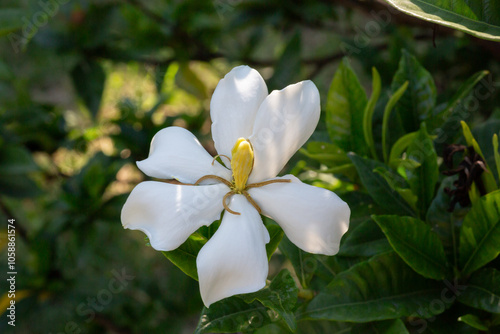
241, 163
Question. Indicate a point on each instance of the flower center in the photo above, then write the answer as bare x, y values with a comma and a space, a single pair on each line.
241, 164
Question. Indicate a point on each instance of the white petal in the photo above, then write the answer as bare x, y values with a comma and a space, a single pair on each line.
169, 213
175, 153
234, 260
234, 105
313, 218
284, 122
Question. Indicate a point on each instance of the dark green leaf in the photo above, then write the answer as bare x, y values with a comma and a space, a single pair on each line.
345, 107
276, 234
417, 245
455, 103
184, 256
16, 160
304, 263
368, 113
381, 327
366, 239
280, 296
378, 188
387, 116
480, 233
478, 18
288, 65
473, 321
423, 179
381, 288
326, 153
483, 291
233, 315
417, 102
88, 78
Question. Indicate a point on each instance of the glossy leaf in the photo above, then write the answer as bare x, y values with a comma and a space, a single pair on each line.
480, 234
381, 288
345, 107
387, 113
184, 257
232, 315
364, 240
483, 291
378, 188
417, 245
480, 19
473, 321
399, 147
423, 179
417, 102
280, 296
368, 113
326, 153
275, 234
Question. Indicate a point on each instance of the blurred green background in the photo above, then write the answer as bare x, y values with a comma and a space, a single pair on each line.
84, 86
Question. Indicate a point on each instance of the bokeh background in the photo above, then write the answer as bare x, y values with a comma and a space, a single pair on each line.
84, 86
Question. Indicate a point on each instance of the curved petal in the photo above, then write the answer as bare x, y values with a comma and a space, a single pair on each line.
234, 105
313, 218
175, 153
169, 213
234, 260
284, 122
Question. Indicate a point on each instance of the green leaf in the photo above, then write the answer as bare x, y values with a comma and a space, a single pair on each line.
396, 326
473, 321
16, 160
368, 113
345, 107
378, 188
184, 257
478, 18
88, 78
418, 101
364, 240
190, 81
288, 65
455, 103
483, 291
276, 234
398, 184
496, 154
233, 315
480, 233
387, 113
326, 153
399, 147
301, 261
280, 296
423, 179
417, 245
381, 288
487, 177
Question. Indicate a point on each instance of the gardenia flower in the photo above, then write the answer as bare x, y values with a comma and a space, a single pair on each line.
255, 134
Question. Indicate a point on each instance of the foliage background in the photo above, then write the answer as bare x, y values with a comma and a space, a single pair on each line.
82, 95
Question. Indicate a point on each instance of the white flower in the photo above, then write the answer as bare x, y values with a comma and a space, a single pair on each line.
255, 135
